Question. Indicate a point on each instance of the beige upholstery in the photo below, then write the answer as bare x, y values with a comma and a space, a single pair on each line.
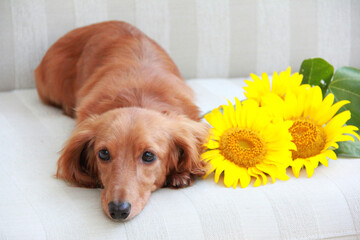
206, 38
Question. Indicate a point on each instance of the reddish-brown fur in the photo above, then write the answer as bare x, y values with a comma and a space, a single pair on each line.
128, 97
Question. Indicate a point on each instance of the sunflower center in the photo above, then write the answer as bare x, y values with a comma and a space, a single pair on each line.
309, 138
242, 147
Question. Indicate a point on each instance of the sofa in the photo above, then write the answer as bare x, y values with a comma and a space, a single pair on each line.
216, 45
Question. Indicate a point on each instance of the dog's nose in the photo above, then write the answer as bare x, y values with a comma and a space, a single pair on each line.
119, 211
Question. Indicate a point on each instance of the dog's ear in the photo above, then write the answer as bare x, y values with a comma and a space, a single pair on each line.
188, 137
77, 163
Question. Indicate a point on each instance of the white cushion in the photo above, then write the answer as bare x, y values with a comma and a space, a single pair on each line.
33, 204
226, 38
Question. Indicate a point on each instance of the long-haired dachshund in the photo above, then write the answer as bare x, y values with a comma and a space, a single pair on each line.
137, 126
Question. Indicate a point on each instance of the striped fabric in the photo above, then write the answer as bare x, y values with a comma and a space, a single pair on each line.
206, 38
35, 205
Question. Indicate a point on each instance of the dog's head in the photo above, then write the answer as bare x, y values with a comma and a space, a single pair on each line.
131, 152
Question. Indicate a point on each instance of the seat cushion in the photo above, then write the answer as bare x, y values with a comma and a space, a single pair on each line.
33, 203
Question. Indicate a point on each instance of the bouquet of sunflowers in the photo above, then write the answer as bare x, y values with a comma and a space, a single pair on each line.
284, 124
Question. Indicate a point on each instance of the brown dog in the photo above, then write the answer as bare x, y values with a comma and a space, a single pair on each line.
137, 126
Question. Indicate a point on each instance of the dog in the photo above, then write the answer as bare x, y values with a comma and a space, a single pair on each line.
137, 127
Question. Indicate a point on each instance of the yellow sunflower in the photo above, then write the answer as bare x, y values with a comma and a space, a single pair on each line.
315, 129
281, 84
244, 142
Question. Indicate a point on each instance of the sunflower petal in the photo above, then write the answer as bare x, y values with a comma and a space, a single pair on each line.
211, 144
229, 115
336, 123
208, 155
324, 161
229, 176
216, 119
344, 138
296, 167
244, 177
258, 172
331, 144
253, 174
332, 111
324, 108
316, 101
330, 154
235, 183
219, 170
309, 169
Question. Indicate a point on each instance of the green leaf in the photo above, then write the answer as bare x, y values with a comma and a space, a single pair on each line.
346, 86
348, 149
317, 71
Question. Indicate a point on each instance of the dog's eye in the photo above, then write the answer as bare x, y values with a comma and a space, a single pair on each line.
148, 157
104, 155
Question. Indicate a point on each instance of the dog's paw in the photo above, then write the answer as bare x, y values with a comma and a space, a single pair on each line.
179, 180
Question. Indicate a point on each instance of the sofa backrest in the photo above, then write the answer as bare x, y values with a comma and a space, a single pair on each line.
206, 38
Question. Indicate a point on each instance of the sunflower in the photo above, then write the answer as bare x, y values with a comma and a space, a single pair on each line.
281, 84
316, 128
244, 142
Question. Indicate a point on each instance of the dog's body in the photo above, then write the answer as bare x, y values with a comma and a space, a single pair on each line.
109, 65
137, 126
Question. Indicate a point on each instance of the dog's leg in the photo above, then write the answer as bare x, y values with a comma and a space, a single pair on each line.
179, 180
